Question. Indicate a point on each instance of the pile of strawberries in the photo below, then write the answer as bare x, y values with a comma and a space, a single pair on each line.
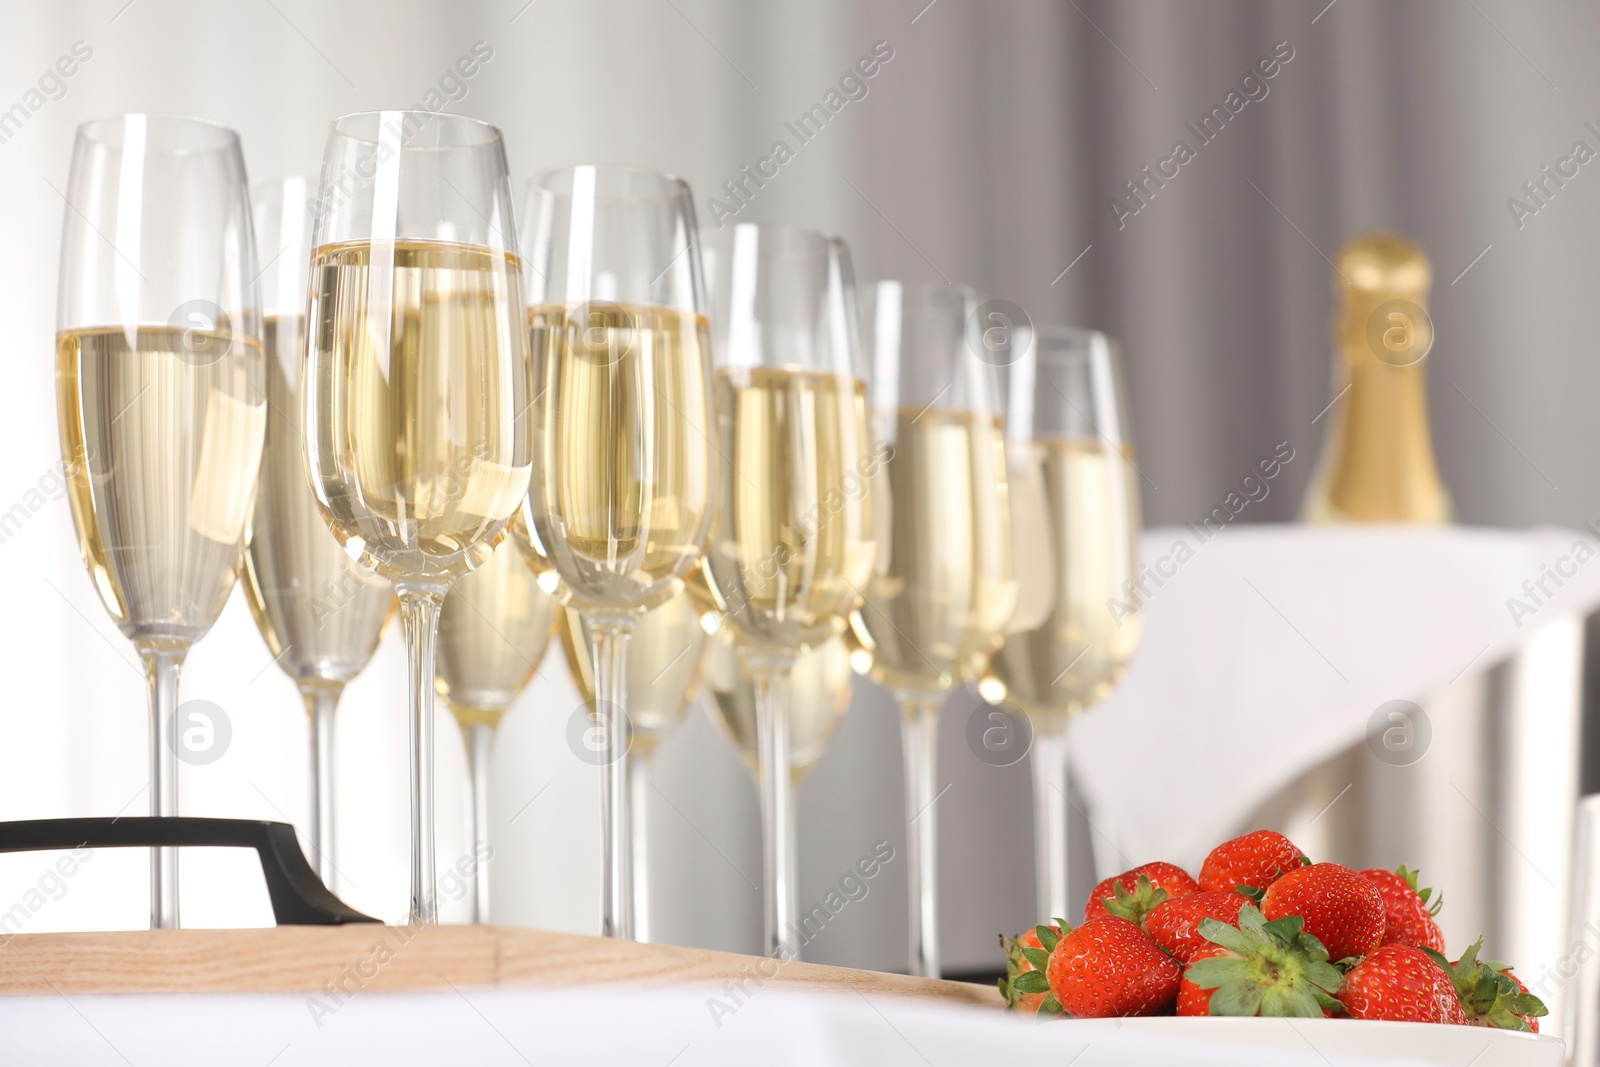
1263, 932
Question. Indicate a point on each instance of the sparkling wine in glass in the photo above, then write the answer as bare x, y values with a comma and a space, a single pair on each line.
663, 666
794, 542
417, 387
161, 397
1075, 529
318, 610
943, 587
493, 631
621, 497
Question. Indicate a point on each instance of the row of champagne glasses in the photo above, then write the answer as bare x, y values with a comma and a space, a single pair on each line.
431, 424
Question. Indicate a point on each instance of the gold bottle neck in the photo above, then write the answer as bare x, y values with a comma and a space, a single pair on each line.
1380, 465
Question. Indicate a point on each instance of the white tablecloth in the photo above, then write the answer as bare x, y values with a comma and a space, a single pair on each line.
1267, 651
597, 1025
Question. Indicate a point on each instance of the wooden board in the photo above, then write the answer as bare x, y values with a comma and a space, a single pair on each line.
307, 959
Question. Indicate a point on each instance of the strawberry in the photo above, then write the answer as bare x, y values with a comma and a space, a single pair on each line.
1018, 951
1401, 983
1132, 894
1108, 967
1253, 861
1341, 909
1408, 912
1259, 968
1175, 924
1490, 994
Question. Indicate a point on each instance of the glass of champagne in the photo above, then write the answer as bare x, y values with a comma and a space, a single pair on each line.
493, 631
161, 397
820, 685
793, 545
1075, 529
320, 613
417, 386
621, 498
663, 666
943, 586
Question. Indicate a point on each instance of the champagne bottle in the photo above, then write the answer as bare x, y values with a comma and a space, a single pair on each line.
1378, 463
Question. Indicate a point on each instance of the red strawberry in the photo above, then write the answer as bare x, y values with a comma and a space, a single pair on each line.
1490, 994
1340, 908
1254, 861
1408, 912
1402, 984
1175, 923
1259, 968
1109, 967
1132, 894
1018, 950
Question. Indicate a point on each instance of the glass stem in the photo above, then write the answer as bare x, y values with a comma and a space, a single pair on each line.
419, 622
480, 747
919, 725
638, 829
322, 698
161, 668
778, 846
610, 639
1050, 810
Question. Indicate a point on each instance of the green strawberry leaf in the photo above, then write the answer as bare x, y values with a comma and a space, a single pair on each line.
1236, 998
1251, 892
1030, 982
1293, 1001
1047, 937
1036, 956
1325, 976
1231, 938
1526, 1004
1050, 1007
1137, 905
1286, 929
1313, 947
1218, 971
1501, 1019
1488, 994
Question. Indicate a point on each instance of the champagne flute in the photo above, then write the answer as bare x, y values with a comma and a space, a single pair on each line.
620, 503
160, 392
493, 631
1075, 527
320, 613
417, 386
793, 544
663, 665
943, 586
820, 686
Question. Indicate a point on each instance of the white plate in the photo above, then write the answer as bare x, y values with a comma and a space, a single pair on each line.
1342, 1041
